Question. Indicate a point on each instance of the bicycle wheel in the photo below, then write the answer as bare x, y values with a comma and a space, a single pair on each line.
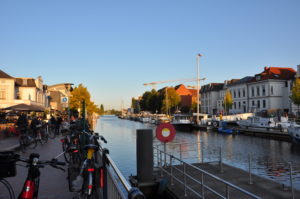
32, 142
6, 190
66, 153
51, 132
22, 144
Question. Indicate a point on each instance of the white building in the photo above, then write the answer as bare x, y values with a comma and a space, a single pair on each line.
210, 95
266, 91
28, 91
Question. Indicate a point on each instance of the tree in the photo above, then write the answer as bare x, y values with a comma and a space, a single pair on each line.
295, 97
171, 100
150, 101
135, 105
228, 101
79, 94
102, 109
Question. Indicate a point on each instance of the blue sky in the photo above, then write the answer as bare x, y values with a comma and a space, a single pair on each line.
113, 47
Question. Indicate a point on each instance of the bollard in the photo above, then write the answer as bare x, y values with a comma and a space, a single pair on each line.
291, 179
144, 151
250, 174
221, 164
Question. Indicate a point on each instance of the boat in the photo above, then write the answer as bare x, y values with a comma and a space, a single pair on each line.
264, 123
294, 132
162, 118
225, 129
182, 121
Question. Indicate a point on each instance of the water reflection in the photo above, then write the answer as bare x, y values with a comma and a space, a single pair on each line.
269, 157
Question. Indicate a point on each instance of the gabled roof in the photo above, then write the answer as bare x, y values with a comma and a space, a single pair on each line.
275, 73
182, 90
193, 91
25, 82
5, 75
212, 87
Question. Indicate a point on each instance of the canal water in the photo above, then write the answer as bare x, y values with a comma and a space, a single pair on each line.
269, 158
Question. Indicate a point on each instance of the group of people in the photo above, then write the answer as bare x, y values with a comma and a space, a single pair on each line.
37, 122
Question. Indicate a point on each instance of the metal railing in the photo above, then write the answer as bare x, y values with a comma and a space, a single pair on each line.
114, 184
182, 174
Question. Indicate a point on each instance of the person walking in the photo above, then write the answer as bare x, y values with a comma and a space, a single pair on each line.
22, 123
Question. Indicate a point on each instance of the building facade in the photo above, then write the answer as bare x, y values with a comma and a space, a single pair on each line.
28, 91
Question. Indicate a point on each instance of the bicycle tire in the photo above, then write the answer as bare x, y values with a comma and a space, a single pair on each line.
66, 154
22, 145
51, 133
9, 189
32, 144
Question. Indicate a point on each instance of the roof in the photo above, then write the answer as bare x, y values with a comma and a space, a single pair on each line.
193, 91
212, 87
5, 75
182, 90
275, 73
242, 81
25, 82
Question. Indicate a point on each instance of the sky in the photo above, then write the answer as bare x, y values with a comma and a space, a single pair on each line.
114, 46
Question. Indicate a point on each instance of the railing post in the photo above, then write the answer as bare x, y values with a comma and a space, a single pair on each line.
171, 165
184, 177
165, 154
202, 152
202, 185
291, 179
157, 156
250, 173
180, 152
161, 169
227, 191
221, 163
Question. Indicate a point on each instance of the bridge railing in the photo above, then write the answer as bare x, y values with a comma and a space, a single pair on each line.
185, 175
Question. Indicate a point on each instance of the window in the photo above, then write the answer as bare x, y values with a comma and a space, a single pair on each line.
252, 89
239, 93
263, 90
258, 77
258, 104
3, 92
271, 90
234, 105
264, 103
253, 103
244, 93
234, 94
239, 105
286, 84
257, 91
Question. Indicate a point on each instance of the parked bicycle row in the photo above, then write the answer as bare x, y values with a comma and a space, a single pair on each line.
79, 147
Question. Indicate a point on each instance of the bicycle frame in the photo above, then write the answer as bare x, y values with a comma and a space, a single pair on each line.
31, 186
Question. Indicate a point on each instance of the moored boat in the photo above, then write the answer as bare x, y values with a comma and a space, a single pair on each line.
182, 121
294, 132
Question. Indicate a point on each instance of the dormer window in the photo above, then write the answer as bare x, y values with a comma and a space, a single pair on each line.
258, 77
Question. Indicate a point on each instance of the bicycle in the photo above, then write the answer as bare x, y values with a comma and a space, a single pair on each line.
51, 130
30, 189
27, 141
88, 178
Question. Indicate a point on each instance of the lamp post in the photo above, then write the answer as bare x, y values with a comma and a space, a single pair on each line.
198, 85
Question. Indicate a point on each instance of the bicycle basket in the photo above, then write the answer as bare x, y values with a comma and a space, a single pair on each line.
8, 164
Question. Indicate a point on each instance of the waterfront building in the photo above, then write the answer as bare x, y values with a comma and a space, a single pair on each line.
185, 95
266, 91
58, 93
270, 89
210, 96
30, 91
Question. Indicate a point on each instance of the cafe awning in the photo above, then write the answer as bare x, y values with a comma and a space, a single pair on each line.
25, 107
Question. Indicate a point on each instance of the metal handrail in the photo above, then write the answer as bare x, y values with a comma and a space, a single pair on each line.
213, 176
123, 180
